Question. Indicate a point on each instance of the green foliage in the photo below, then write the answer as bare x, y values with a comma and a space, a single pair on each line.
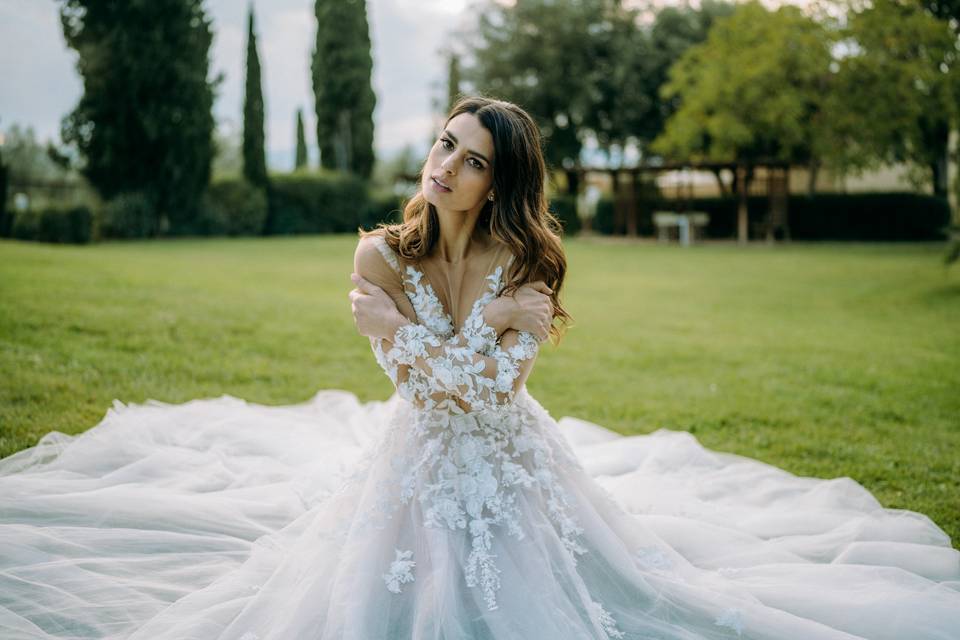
73, 225
754, 90
825, 360
453, 80
540, 55
317, 203
300, 160
583, 67
254, 154
897, 91
825, 216
344, 99
129, 215
144, 122
233, 207
564, 209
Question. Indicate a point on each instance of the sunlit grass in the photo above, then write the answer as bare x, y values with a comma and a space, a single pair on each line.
826, 360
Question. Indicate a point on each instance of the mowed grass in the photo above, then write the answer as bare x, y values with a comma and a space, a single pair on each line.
826, 360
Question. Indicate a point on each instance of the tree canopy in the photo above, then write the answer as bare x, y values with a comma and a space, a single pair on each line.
144, 122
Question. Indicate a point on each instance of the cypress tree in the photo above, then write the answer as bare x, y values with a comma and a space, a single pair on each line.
342, 66
453, 81
144, 123
301, 157
254, 155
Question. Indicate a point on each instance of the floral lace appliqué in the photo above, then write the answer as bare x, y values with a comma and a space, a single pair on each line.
400, 571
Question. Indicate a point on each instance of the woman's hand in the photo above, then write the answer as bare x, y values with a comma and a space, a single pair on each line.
374, 312
529, 308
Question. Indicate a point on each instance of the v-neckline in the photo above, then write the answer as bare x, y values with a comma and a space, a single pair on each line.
486, 290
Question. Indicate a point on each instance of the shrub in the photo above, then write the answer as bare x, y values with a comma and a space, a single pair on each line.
382, 207
325, 202
129, 215
233, 207
828, 216
73, 225
564, 209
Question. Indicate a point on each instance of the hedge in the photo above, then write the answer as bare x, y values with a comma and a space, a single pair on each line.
73, 225
316, 203
233, 207
859, 216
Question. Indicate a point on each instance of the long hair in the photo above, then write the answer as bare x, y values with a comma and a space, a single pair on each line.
518, 217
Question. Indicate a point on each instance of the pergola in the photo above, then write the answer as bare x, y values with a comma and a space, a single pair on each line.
627, 203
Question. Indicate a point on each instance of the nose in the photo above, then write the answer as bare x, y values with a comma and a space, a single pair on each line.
449, 163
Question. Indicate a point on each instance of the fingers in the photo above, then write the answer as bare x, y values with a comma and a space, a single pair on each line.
364, 285
542, 287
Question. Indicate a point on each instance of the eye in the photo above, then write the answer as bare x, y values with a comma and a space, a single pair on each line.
476, 164
446, 143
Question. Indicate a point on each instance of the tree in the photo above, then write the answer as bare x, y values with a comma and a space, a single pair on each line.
254, 155
899, 88
541, 54
300, 161
753, 92
344, 99
453, 80
144, 122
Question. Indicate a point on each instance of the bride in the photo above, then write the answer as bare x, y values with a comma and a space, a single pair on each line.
458, 509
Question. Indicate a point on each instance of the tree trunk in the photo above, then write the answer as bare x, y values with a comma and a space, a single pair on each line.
742, 217
724, 191
812, 170
632, 206
618, 222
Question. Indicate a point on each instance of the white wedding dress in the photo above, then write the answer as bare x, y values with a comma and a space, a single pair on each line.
458, 509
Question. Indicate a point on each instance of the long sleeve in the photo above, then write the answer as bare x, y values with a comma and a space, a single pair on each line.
458, 367
474, 369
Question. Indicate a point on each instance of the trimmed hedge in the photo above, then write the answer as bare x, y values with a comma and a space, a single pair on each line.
233, 207
70, 226
828, 216
129, 215
317, 203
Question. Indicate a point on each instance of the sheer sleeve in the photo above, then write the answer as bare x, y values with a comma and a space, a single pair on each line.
452, 367
475, 369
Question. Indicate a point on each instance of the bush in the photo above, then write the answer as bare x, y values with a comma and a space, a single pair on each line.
382, 207
233, 207
841, 216
324, 202
129, 215
73, 225
564, 209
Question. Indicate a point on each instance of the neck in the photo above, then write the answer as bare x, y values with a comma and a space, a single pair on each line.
459, 235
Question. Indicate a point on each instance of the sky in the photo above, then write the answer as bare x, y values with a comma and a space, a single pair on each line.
39, 83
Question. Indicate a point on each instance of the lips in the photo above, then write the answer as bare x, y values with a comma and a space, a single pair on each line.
439, 186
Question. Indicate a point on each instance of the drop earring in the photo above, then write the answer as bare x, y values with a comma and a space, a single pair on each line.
490, 197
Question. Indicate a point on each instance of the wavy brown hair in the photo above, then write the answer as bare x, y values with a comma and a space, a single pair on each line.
518, 217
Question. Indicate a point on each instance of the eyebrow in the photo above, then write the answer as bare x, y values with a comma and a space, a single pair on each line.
454, 138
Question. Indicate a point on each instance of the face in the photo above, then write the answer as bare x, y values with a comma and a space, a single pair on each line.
458, 174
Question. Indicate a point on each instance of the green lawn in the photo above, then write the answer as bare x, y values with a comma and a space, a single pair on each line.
827, 360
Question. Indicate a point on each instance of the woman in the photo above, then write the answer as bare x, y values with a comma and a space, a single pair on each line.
457, 509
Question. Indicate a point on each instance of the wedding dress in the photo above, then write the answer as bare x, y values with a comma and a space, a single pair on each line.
457, 509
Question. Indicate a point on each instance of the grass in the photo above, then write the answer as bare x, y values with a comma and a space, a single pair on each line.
827, 360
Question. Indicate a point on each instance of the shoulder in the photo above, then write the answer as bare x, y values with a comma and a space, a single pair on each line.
375, 260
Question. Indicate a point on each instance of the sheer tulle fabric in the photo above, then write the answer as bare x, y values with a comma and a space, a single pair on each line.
335, 519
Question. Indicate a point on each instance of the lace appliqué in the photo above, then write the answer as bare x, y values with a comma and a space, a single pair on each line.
400, 571
606, 621
468, 468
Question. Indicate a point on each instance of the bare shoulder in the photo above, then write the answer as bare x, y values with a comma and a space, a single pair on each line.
372, 260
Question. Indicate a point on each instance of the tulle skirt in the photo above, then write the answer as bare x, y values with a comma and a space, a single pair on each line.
224, 519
